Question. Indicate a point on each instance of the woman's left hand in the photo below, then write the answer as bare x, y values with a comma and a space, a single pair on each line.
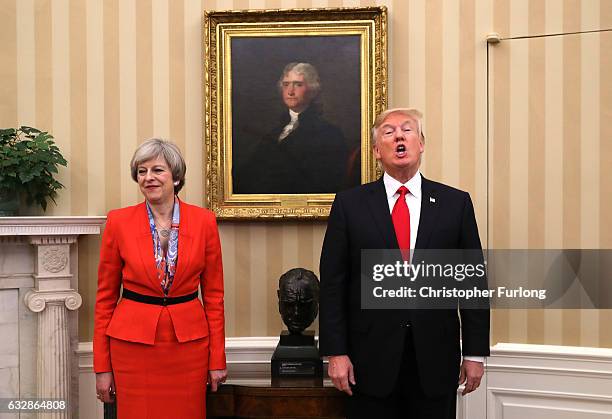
215, 378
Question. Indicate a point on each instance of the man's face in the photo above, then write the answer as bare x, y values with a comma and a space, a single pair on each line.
295, 91
399, 146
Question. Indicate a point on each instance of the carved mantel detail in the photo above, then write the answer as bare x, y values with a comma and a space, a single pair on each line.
38, 300
54, 259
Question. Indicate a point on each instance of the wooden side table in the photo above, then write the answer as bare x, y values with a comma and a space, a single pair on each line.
246, 402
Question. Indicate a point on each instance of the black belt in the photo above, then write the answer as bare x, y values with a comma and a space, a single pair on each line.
159, 301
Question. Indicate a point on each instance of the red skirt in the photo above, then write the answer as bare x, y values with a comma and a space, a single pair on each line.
164, 380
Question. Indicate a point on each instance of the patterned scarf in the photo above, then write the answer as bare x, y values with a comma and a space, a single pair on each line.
166, 263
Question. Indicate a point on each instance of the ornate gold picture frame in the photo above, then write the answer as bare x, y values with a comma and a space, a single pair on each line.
290, 96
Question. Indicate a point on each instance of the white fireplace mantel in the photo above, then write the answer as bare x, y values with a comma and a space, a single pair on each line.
50, 226
39, 301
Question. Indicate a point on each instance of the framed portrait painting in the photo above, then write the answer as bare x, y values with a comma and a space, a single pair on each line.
290, 99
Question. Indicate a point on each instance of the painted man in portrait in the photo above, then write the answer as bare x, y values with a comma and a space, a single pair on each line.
304, 153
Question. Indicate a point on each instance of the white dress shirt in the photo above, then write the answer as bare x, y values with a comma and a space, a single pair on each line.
413, 200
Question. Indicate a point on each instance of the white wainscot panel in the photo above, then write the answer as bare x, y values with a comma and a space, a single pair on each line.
545, 382
519, 404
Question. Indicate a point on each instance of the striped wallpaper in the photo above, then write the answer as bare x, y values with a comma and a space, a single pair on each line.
520, 125
550, 151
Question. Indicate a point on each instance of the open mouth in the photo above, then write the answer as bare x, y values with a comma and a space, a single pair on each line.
400, 150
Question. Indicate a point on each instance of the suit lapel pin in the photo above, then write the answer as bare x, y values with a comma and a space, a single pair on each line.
432, 199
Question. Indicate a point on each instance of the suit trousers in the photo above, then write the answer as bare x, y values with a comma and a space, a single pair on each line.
407, 400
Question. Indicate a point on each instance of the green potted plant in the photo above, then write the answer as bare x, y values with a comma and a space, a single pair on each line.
29, 159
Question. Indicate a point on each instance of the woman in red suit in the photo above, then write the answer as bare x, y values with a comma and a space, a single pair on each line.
156, 349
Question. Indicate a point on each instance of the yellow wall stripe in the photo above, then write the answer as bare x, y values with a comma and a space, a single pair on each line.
274, 244
400, 40
161, 68
60, 73
242, 250
410, 55
260, 298
8, 56
499, 95
571, 150
554, 150
112, 107
77, 160
144, 71
26, 63
96, 176
433, 89
537, 150
43, 60
466, 84
128, 105
450, 92
518, 150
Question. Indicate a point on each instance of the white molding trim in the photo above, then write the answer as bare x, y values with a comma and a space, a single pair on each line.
257, 350
552, 351
565, 361
50, 226
561, 395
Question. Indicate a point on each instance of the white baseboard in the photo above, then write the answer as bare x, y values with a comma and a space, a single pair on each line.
521, 381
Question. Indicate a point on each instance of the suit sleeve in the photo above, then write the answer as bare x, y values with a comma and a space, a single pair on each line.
211, 283
109, 282
335, 272
475, 323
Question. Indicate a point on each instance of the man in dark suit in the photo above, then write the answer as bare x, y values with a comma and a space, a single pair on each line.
398, 363
304, 153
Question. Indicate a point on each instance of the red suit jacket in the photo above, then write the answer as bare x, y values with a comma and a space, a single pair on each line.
126, 258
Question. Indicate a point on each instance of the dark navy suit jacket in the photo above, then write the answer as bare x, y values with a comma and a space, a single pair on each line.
374, 339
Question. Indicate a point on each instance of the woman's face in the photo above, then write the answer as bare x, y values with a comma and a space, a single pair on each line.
155, 180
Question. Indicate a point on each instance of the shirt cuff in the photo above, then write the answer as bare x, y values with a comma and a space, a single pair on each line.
480, 359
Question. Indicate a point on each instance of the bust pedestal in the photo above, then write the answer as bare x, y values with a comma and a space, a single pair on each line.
296, 361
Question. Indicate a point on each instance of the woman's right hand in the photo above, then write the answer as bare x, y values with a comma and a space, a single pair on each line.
105, 387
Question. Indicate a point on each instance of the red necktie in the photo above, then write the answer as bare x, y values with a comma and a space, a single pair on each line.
401, 222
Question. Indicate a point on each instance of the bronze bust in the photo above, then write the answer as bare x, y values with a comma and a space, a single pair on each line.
298, 299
